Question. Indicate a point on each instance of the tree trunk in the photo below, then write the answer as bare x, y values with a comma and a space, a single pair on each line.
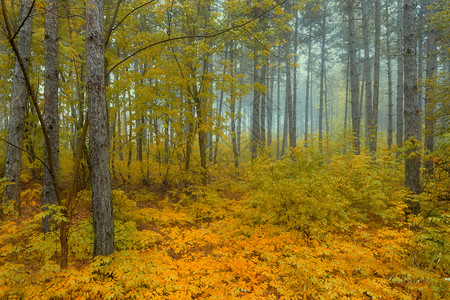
19, 98
346, 103
389, 76
98, 130
429, 106
255, 131
51, 107
367, 71
278, 111
233, 111
294, 85
373, 128
399, 110
263, 108
412, 120
322, 74
308, 83
354, 89
289, 103
270, 107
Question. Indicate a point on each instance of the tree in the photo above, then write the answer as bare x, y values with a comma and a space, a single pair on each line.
322, 73
412, 120
354, 86
373, 128
399, 109
389, 78
367, 70
19, 99
429, 104
98, 130
51, 105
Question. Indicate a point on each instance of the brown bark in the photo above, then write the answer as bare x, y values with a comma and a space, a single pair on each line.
51, 106
19, 98
411, 109
98, 130
354, 89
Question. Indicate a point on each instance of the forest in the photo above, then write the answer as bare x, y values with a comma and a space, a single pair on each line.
228, 149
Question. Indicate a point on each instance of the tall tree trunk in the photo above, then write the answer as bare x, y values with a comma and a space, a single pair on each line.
412, 120
51, 106
373, 128
98, 130
367, 71
270, 106
289, 102
278, 110
429, 106
263, 108
19, 99
233, 111
322, 74
347, 79
389, 76
221, 104
399, 110
256, 130
308, 83
294, 85
201, 138
354, 89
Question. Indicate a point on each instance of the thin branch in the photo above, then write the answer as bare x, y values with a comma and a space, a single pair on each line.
113, 20
26, 151
202, 36
24, 20
132, 11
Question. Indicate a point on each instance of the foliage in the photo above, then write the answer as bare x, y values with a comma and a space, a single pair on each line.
300, 228
307, 194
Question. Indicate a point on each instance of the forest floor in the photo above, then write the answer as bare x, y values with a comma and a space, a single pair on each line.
215, 243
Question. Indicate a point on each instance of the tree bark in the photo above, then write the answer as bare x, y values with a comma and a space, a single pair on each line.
263, 108
367, 71
389, 77
289, 102
98, 130
412, 120
19, 98
233, 111
322, 74
354, 86
399, 109
308, 83
373, 128
255, 131
51, 107
429, 105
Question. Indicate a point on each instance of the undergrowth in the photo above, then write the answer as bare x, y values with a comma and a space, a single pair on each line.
306, 227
